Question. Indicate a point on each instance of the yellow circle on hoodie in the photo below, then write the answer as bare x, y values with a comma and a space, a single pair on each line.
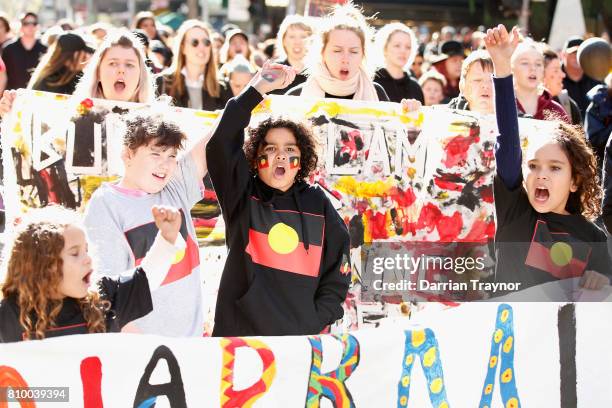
561, 253
283, 239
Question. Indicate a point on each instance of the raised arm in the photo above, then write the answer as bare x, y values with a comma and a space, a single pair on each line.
508, 156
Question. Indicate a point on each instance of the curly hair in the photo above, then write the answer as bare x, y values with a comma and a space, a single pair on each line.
304, 140
34, 273
586, 200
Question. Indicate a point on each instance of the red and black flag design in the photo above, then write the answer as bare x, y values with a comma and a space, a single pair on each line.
141, 239
276, 239
557, 253
263, 162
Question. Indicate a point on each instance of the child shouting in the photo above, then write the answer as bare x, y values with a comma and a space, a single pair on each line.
288, 269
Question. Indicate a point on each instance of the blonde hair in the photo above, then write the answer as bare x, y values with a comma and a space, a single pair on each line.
345, 17
90, 86
34, 273
53, 62
292, 21
177, 85
432, 75
381, 41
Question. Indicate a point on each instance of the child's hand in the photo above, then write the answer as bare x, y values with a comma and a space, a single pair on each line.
501, 45
594, 280
410, 105
168, 221
6, 103
273, 76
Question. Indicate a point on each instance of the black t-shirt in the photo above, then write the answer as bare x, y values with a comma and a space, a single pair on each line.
21, 62
398, 89
130, 299
534, 248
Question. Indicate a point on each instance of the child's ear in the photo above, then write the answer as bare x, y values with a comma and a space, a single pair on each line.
126, 155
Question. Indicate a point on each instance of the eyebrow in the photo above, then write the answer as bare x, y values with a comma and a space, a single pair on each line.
126, 59
73, 247
548, 161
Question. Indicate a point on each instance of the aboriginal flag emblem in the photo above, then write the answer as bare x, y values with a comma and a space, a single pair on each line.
141, 239
276, 240
557, 253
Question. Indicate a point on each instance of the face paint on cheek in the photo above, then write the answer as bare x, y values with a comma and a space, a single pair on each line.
294, 162
262, 162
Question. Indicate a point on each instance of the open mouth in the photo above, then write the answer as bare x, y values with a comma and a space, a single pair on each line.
159, 176
297, 50
532, 78
344, 73
87, 278
119, 85
541, 194
279, 172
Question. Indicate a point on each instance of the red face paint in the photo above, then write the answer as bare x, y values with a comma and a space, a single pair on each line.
262, 162
294, 162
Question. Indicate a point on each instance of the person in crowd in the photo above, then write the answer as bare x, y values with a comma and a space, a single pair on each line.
553, 82
448, 62
22, 54
552, 201
269, 287
598, 126
151, 62
292, 42
339, 67
416, 69
577, 83
475, 84
192, 80
5, 31
432, 83
122, 230
528, 71
238, 74
61, 67
48, 270
236, 42
398, 45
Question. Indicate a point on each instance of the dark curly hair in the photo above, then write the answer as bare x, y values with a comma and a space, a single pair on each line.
303, 136
586, 200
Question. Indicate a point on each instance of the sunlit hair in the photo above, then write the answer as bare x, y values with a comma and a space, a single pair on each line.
224, 56
294, 21
177, 87
526, 44
54, 61
479, 56
33, 273
142, 16
382, 37
90, 86
432, 75
345, 17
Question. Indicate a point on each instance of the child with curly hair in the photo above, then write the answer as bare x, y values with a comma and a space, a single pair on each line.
46, 292
544, 213
288, 269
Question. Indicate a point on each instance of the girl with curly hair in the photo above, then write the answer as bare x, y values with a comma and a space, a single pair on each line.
287, 271
545, 230
45, 292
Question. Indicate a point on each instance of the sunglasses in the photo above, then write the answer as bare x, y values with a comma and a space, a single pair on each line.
205, 41
29, 23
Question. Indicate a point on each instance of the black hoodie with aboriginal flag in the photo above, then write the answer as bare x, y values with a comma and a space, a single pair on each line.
287, 270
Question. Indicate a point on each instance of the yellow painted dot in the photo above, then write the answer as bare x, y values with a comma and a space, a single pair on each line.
430, 357
512, 403
403, 401
507, 375
443, 405
405, 381
178, 257
418, 337
436, 385
504, 315
488, 389
499, 333
283, 239
508, 344
409, 359
493, 361
561, 253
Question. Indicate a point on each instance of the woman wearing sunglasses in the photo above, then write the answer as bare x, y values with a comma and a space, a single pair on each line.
191, 80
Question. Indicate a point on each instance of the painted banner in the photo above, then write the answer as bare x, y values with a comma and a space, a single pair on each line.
474, 355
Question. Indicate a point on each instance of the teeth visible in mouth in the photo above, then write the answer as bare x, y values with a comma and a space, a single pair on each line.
541, 193
160, 175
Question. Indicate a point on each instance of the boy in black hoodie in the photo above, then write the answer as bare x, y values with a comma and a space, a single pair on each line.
287, 271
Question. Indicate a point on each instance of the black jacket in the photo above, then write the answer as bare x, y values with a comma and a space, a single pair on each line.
209, 103
266, 290
398, 89
46, 84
